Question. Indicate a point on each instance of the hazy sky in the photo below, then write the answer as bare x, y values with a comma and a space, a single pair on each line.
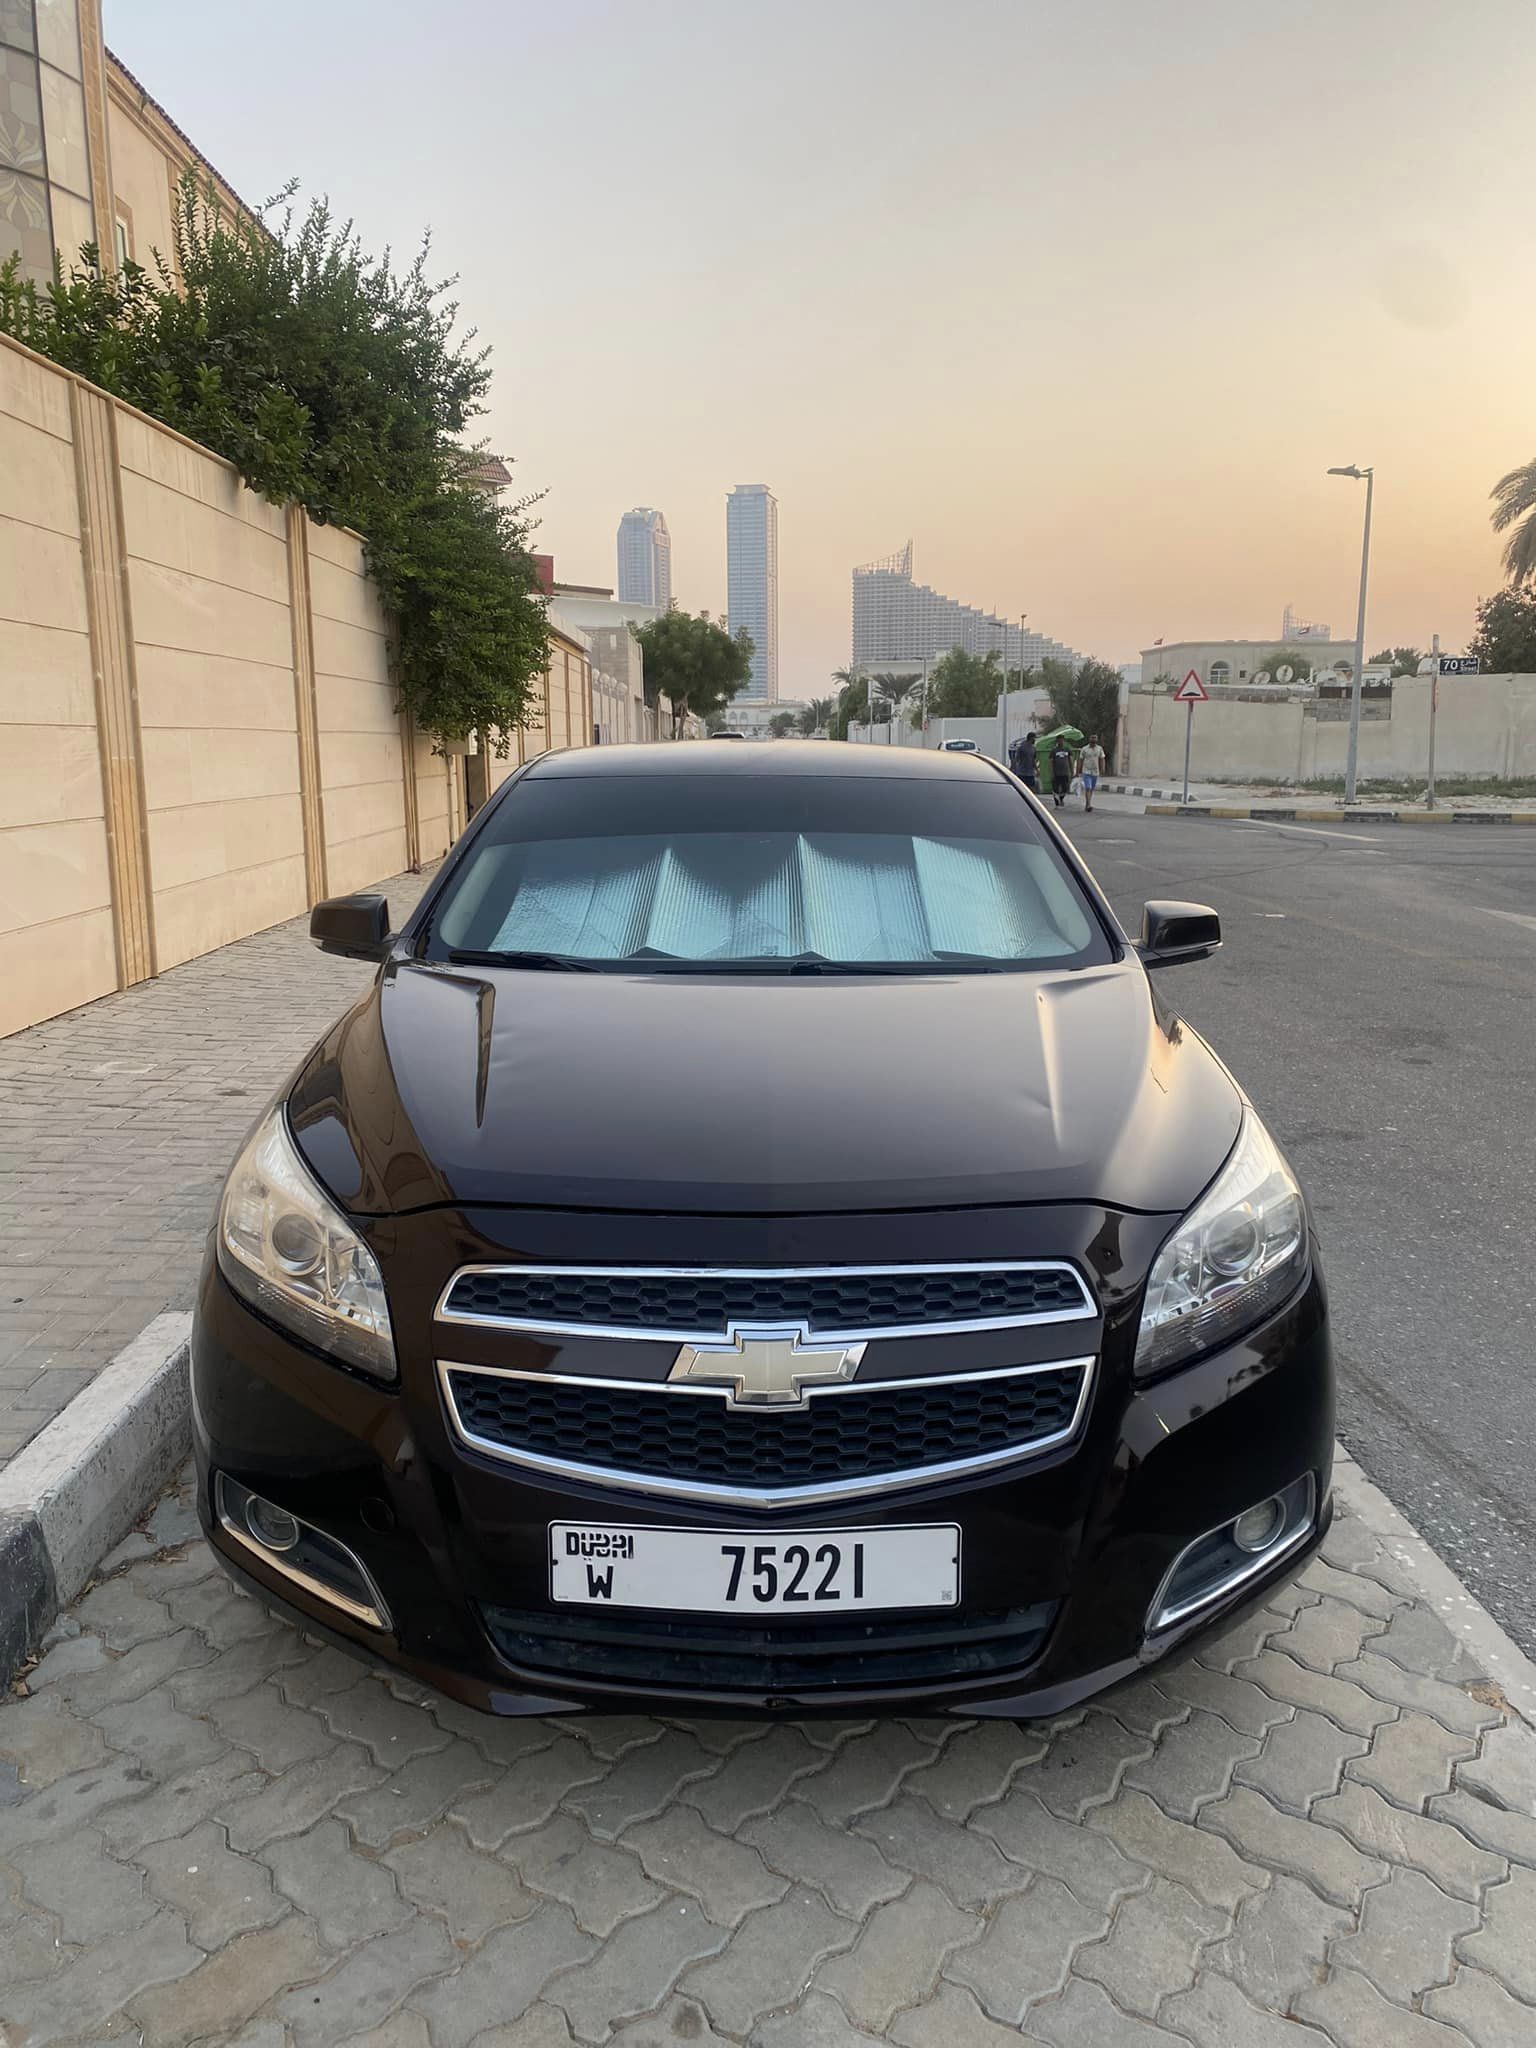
1084, 297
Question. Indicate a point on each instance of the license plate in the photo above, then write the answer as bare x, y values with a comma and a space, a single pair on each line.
735, 1571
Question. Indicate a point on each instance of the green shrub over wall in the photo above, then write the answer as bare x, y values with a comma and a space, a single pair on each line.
327, 377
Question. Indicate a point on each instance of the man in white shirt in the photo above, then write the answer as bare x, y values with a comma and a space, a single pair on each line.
1090, 765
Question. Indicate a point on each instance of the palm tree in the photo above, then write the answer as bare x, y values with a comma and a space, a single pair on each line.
817, 713
894, 689
1514, 500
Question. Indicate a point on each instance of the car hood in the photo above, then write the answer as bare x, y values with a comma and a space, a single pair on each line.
762, 1095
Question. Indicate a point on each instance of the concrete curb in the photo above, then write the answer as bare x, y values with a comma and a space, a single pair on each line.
1442, 1590
82, 1483
1282, 814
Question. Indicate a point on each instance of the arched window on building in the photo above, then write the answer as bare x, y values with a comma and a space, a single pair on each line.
1221, 672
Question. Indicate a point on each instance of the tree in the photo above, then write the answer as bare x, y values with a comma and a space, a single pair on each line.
1296, 659
783, 723
328, 378
1089, 698
1514, 507
962, 685
853, 706
817, 714
1404, 661
851, 691
693, 662
1505, 640
892, 689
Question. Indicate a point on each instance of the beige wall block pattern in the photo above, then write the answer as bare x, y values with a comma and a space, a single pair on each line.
353, 759
173, 609
56, 967
37, 477
199, 767
164, 525
361, 863
45, 675
31, 389
358, 652
205, 840
178, 687
43, 582
50, 874
49, 773
342, 590
198, 916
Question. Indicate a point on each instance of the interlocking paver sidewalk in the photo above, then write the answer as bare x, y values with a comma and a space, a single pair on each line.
214, 1834
117, 1123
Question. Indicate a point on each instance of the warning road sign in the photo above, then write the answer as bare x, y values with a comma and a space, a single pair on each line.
1191, 691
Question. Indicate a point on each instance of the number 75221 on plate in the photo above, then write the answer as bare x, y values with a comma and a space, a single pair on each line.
738, 1571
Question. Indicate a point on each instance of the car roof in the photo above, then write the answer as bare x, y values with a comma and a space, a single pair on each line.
783, 758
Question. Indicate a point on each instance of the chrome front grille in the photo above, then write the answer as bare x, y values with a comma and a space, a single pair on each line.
841, 1441
694, 1437
690, 1302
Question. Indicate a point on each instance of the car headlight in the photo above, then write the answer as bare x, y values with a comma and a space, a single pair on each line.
1236, 1255
290, 1252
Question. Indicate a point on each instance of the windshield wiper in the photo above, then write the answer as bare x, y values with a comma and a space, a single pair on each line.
563, 963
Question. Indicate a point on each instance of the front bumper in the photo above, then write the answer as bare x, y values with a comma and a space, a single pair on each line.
1081, 1539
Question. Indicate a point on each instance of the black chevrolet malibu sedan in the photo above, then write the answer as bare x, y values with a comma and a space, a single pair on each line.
763, 1243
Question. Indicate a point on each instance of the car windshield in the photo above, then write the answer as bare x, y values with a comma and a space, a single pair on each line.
770, 873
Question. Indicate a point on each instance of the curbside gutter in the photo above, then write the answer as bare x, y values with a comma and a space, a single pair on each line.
82, 1483
1439, 1587
1169, 803
1280, 814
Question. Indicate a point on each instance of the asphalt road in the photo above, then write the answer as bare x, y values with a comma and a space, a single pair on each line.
1376, 996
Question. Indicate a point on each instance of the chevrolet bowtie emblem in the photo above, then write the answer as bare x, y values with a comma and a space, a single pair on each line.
766, 1364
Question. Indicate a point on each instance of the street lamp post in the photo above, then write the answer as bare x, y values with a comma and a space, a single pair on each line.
1352, 762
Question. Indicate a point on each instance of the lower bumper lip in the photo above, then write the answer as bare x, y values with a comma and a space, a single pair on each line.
1030, 1694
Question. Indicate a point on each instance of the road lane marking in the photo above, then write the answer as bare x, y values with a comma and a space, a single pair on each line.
1509, 916
1311, 831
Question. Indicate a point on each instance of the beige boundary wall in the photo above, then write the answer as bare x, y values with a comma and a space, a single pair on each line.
198, 736
1486, 726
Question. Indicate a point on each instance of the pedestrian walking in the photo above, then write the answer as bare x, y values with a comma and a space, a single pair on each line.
1025, 763
1090, 765
1061, 772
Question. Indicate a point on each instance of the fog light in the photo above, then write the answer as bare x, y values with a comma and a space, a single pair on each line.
273, 1527
298, 1551
1259, 1527
1224, 1558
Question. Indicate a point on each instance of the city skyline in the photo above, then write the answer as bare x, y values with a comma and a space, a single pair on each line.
752, 583
1125, 430
644, 558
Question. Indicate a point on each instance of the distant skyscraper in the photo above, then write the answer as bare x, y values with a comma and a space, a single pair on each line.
645, 558
897, 620
752, 582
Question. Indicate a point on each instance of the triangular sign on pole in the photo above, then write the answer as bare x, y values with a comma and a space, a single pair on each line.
1191, 691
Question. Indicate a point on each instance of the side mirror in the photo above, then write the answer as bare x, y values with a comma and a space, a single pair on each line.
355, 927
1175, 932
